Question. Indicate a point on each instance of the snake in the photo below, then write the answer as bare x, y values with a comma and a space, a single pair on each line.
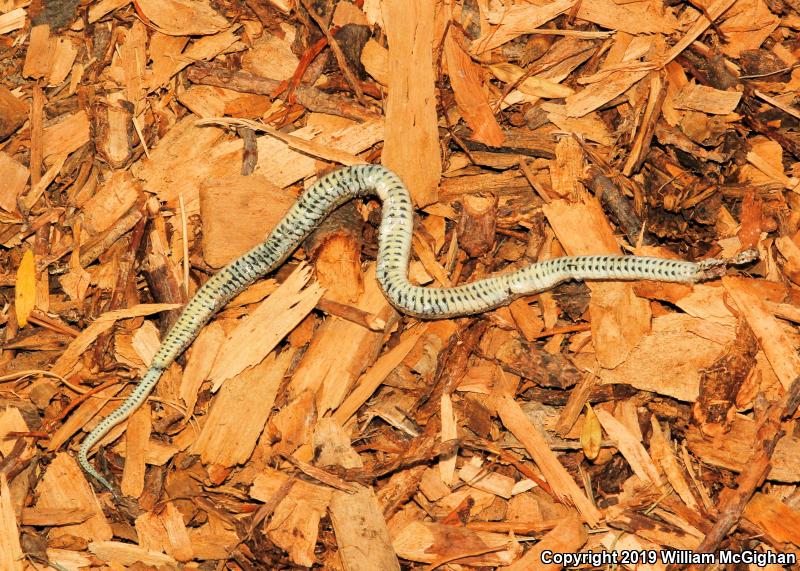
394, 249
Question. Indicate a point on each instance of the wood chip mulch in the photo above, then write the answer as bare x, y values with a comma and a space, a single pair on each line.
145, 144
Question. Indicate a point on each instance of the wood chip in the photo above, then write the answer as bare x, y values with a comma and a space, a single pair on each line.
182, 18
411, 99
291, 301
707, 99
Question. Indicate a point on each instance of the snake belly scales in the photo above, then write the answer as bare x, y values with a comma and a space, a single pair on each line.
394, 248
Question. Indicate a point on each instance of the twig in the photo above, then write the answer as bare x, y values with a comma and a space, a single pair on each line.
337, 51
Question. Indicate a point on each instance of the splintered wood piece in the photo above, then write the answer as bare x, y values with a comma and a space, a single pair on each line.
271, 56
630, 17
630, 446
529, 361
29, 200
165, 51
704, 301
64, 53
411, 148
69, 358
356, 516
206, 101
162, 273
645, 130
105, 322
112, 201
598, 94
184, 158
39, 58
68, 559
469, 90
250, 204
706, 99
13, 113
294, 422
247, 397
527, 318
113, 125
282, 165
11, 556
126, 554
12, 20
791, 252
137, 436
294, 525
477, 225
656, 531
165, 531
661, 452
422, 249
731, 450
99, 9
464, 503
675, 372
567, 537
746, 25
258, 334
566, 170
132, 59
375, 59
368, 383
620, 319
518, 20
431, 485
355, 348
11, 420
179, 18
564, 487
199, 362
428, 542
336, 246
448, 433
156, 453
767, 158
85, 413
212, 540
37, 143
478, 476
701, 24
66, 136
53, 516
780, 351
64, 485
25, 288
775, 517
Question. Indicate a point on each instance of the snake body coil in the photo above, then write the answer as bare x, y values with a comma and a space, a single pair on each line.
392, 273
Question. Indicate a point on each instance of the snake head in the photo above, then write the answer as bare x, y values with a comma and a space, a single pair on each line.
718, 267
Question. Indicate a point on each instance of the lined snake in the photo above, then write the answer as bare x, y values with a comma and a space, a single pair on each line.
394, 249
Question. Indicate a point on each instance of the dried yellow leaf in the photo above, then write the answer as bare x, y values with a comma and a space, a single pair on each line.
25, 288
592, 434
